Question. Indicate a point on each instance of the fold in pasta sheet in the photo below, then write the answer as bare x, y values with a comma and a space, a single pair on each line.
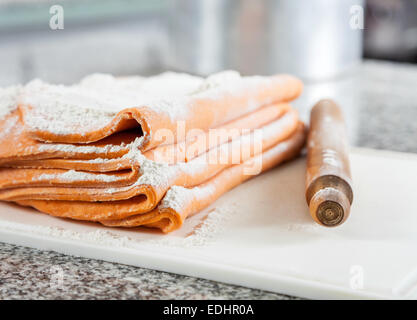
19, 149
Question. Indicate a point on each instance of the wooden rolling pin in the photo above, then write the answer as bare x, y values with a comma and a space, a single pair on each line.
328, 182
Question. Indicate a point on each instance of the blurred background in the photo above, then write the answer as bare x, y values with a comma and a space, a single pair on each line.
362, 53
314, 39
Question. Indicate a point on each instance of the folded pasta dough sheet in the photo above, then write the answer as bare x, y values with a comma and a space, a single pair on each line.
93, 151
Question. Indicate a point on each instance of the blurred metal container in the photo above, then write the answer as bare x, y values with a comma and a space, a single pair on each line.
309, 38
391, 30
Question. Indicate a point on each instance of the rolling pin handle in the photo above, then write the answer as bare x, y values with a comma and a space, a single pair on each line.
329, 207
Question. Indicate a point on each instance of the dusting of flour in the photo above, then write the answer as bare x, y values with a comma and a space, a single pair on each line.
94, 102
202, 234
8, 100
69, 148
72, 175
214, 224
177, 196
99, 237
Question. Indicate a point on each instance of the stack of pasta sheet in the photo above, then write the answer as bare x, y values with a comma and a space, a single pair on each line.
137, 151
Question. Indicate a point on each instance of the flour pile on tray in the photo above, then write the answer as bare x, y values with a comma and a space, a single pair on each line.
137, 151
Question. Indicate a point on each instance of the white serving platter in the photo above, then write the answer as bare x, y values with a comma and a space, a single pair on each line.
260, 235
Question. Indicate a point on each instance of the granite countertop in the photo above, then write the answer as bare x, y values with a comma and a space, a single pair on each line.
380, 104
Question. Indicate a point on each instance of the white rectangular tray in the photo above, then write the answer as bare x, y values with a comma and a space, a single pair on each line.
260, 235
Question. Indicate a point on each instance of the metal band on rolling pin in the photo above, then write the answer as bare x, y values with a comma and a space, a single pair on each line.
329, 193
